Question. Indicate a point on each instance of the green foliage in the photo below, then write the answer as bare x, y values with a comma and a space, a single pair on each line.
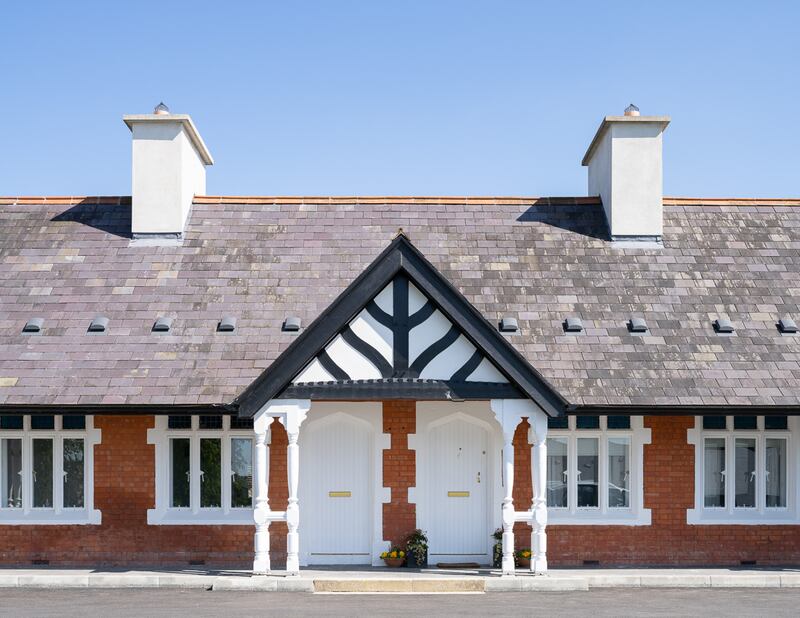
417, 546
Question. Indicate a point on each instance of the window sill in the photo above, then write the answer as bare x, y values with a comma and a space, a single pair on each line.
696, 517
215, 517
583, 518
48, 517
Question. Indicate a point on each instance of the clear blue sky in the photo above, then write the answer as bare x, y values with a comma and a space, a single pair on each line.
380, 97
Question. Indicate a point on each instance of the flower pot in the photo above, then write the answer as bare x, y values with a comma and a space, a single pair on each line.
411, 561
394, 563
524, 563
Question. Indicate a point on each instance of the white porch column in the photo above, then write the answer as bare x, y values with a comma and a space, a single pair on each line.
508, 414
508, 502
538, 437
293, 416
261, 514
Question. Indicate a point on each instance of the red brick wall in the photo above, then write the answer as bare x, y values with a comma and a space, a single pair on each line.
668, 492
124, 490
399, 470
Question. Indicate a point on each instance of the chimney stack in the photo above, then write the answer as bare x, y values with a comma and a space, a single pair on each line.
625, 170
169, 169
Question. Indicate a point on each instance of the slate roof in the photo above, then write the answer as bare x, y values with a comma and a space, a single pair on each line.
263, 259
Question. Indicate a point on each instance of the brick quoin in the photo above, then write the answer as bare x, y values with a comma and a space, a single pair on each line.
399, 470
125, 489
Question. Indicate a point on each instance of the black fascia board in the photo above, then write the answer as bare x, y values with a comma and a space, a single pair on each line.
684, 410
400, 256
399, 389
212, 409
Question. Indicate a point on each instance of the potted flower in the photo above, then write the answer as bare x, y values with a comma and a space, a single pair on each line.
417, 549
394, 557
497, 558
524, 558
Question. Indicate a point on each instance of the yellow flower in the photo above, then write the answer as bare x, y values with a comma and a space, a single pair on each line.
383, 555
393, 554
402, 554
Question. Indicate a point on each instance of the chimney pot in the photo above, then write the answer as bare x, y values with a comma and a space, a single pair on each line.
631, 110
161, 109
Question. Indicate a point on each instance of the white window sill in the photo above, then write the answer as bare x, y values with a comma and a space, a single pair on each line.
211, 517
696, 517
48, 517
556, 517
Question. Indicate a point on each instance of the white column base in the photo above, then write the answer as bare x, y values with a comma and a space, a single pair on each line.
509, 568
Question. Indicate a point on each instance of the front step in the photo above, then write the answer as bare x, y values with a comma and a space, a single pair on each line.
400, 585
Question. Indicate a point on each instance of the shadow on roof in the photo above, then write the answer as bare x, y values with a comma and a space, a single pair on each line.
109, 218
584, 219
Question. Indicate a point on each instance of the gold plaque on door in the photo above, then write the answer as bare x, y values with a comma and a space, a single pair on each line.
458, 494
339, 494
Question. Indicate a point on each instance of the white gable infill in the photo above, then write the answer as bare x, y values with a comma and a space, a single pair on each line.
434, 347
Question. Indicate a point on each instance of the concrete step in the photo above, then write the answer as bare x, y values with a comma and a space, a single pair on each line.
451, 585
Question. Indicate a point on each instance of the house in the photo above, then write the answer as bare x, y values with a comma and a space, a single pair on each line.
265, 381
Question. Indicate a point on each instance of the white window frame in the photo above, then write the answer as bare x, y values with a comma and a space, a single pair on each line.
165, 513
747, 516
57, 514
603, 515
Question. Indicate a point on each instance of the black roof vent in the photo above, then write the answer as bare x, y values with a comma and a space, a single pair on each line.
787, 325
637, 325
162, 325
227, 324
34, 325
509, 325
723, 326
573, 325
99, 324
291, 324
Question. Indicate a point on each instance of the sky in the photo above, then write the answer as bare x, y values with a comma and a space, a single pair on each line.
429, 97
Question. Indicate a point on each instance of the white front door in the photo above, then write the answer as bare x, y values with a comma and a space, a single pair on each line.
457, 492
335, 495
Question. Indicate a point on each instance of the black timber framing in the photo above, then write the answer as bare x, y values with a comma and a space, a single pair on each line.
400, 258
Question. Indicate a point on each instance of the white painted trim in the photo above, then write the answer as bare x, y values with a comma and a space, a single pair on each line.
165, 515
57, 515
603, 515
731, 515
430, 414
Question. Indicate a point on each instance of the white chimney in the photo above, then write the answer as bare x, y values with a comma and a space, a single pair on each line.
169, 169
625, 170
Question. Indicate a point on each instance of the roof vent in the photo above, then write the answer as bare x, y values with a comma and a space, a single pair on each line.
631, 110
226, 324
161, 109
162, 325
787, 325
723, 326
99, 324
509, 325
34, 325
573, 325
291, 324
637, 325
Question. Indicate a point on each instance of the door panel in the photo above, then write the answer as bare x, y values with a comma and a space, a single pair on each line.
335, 494
457, 490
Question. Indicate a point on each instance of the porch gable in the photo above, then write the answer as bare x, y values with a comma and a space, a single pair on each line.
401, 330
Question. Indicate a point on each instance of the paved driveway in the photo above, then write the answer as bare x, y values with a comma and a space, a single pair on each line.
195, 603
